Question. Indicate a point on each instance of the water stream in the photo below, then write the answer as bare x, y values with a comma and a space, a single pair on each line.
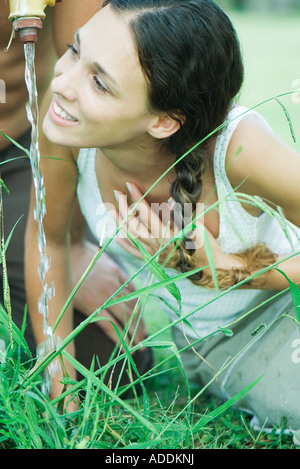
40, 205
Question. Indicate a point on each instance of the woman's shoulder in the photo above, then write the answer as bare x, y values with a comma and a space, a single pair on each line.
235, 140
263, 165
252, 138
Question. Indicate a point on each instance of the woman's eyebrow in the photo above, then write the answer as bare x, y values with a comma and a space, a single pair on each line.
100, 69
105, 74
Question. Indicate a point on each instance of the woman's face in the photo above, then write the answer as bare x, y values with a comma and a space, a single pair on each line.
99, 90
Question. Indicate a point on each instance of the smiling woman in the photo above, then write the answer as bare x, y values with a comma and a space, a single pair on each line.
103, 89
144, 106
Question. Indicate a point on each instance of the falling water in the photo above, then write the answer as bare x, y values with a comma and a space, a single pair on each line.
40, 206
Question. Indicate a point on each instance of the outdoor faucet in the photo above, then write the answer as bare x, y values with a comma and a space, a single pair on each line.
27, 16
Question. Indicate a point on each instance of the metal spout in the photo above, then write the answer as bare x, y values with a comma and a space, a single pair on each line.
28, 28
27, 16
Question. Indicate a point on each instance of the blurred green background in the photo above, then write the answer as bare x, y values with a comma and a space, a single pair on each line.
269, 32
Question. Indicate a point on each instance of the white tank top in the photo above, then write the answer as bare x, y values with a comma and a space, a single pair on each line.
205, 310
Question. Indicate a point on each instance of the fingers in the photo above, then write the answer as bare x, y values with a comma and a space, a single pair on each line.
151, 225
150, 215
136, 222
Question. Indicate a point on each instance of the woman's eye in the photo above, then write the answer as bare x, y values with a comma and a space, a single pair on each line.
99, 85
73, 50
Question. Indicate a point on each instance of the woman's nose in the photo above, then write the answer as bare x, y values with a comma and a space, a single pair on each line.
65, 81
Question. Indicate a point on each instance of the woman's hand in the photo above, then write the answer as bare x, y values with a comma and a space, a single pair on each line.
145, 224
153, 232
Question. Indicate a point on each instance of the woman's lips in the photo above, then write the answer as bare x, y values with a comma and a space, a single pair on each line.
60, 116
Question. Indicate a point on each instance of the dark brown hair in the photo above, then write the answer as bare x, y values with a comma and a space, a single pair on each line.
190, 55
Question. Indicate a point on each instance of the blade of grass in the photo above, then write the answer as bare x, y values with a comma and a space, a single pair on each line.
156, 269
175, 353
295, 296
210, 257
4, 186
18, 336
11, 140
288, 118
225, 405
6, 289
133, 365
206, 419
150, 288
9, 237
115, 398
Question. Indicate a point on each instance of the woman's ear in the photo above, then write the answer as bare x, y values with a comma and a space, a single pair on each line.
165, 126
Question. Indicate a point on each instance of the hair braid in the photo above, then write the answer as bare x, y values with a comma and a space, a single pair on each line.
187, 189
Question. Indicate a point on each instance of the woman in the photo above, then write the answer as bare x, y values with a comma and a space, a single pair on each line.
145, 82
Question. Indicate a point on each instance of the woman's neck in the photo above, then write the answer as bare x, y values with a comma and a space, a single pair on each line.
143, 165
140, 165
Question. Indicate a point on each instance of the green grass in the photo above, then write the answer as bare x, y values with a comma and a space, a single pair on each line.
167, 414
28, 420
159, 419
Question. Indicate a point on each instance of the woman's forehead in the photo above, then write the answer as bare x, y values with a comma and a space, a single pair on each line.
107, 42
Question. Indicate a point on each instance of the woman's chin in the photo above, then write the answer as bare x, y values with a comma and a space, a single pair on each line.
54, 133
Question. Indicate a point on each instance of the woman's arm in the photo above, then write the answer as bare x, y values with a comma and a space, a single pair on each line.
60, 179
265, 167
268, 168
105, 278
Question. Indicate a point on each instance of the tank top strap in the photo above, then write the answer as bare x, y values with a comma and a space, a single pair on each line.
86, 160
